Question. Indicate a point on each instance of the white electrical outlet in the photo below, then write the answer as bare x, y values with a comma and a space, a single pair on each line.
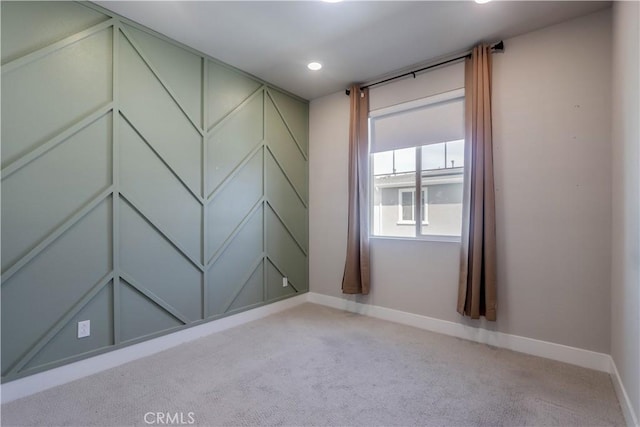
285, 282
84, 328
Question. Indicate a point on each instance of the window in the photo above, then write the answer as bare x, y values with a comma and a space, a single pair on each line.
418, 145
406, 205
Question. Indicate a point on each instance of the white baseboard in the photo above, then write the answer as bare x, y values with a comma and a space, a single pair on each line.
575, 356
625, 403
35, 383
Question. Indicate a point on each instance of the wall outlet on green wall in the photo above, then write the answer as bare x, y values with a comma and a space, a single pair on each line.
84, 328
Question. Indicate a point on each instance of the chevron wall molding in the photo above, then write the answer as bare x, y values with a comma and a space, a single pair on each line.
145, 186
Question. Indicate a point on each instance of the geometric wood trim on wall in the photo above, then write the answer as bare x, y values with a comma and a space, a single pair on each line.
145, 186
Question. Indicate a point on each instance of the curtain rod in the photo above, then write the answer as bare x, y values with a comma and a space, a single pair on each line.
498, 47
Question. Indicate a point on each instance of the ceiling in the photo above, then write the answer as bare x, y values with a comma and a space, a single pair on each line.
356, 41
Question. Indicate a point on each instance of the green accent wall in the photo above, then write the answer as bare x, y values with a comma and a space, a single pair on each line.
145, 186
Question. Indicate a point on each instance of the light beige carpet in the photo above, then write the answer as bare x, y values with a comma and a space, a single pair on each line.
313, 365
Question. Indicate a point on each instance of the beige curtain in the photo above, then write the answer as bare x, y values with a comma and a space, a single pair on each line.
356, 276
477, 287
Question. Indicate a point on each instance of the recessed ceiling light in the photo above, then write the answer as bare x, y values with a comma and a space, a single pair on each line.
332, 1
314, 66
482, 1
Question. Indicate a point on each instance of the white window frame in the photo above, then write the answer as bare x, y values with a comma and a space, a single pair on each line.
402, 107
425, 207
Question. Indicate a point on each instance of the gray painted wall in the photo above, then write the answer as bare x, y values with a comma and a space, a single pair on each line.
625, 278
145, 187
553, 183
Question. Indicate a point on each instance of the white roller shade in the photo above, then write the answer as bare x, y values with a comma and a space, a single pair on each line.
430, 124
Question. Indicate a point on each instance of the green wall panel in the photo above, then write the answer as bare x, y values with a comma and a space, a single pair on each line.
36, 297
46, 96
149, 184
285, 149
157, 117
274, 284
233, 140
227, 90
65, 344
28, 26
152, 261
145, 186
231, 270
180, 69
296, 114
52, 180
285, 202
230, 205
252, 292
140, 316
285, 252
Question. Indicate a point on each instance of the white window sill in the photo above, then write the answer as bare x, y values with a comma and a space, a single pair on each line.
445, 239
411, 223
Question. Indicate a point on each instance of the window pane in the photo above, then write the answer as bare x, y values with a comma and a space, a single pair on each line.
433, 157
443, 204
442, 185
455, 153
394, 177
405, 160
407, 205
392, 205
394, 161
383, 163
